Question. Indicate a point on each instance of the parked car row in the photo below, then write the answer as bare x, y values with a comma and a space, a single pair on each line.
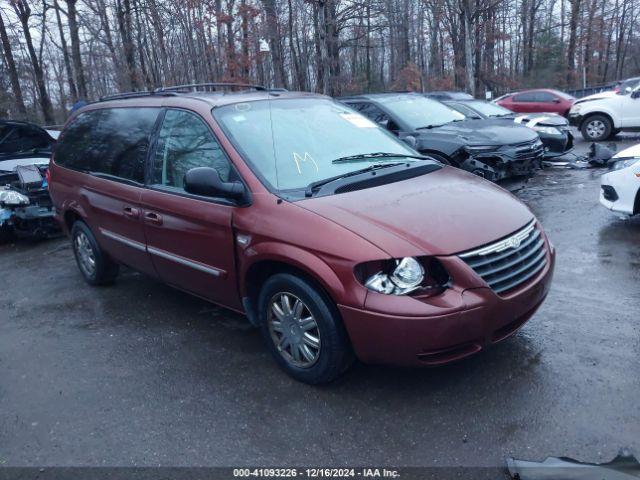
598, 116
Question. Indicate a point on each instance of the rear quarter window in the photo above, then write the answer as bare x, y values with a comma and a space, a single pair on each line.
113, 141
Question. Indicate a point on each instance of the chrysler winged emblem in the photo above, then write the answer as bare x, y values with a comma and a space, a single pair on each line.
514, 242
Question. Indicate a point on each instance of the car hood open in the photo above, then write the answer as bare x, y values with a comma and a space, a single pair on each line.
444, 212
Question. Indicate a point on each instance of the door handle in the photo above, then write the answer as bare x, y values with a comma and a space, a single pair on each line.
152, 217
131, 212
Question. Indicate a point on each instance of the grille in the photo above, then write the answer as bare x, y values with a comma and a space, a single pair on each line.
510, 262
528, 151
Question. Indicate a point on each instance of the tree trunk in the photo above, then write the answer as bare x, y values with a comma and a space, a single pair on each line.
13, 72
571, 51
75, 49
23, 11
65, 55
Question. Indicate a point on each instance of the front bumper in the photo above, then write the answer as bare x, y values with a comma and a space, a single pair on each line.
575, 119
506, 161
620, 190
556, 145
452, 326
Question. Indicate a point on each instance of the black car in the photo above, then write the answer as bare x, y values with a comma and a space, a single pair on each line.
553, 129
25, 206
490, 148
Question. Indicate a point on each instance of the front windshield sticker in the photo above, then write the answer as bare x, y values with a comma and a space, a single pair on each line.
243, 107
304, 159
358, 120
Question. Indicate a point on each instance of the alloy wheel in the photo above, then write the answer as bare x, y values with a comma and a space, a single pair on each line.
294, 330
85, 254
596, 128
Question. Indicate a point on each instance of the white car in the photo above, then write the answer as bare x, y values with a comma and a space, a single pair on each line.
606, 114
620, 188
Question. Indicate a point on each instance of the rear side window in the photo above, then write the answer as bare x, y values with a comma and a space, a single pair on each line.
545, 97
525, 97
77, 143
112, 141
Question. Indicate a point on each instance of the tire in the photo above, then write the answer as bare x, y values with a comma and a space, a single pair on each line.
7, 234
596, 128
94, 264
309, 342
614, 132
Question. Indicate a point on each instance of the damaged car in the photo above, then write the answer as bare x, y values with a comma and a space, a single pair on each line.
620, 187
489, 148
25, 207
553, 129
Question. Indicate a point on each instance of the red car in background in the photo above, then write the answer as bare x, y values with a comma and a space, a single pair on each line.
540, 100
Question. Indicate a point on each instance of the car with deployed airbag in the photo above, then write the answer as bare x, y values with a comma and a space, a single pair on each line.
338, 242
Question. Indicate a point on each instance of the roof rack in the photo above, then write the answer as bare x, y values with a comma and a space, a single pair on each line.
206, 87
121, 96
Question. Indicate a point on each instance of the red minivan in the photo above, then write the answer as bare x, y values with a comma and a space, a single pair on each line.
335, 238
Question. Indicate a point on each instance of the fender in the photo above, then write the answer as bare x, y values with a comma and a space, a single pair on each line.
595, 107
301, 259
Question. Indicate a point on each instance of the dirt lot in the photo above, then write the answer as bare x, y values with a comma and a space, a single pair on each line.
140, 374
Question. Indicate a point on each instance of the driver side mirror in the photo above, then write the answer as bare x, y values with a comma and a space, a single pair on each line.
556, 100
411, 141
206, 181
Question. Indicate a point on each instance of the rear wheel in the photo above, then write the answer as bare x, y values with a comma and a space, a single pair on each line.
303, 329
596, 128
94, 264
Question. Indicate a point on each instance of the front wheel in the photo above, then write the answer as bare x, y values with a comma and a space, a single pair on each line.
596, 128
303, 329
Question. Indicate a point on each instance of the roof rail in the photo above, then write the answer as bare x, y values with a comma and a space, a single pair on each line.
193, 87
121, 96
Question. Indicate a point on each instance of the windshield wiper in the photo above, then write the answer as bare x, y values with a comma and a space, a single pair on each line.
436, 125
319, 183
374, 156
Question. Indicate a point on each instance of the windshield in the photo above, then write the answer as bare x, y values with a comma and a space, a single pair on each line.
291, 143
489, 109
419, 112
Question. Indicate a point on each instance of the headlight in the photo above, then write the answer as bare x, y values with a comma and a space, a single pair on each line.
575, 109
480, 148
547, 130
627, 162
11, 197
402, 276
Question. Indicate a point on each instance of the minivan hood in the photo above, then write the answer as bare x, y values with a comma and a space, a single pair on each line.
440, 213
477, 132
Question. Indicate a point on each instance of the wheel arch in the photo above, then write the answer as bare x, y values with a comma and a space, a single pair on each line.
636, 203
598, 112
273, 259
